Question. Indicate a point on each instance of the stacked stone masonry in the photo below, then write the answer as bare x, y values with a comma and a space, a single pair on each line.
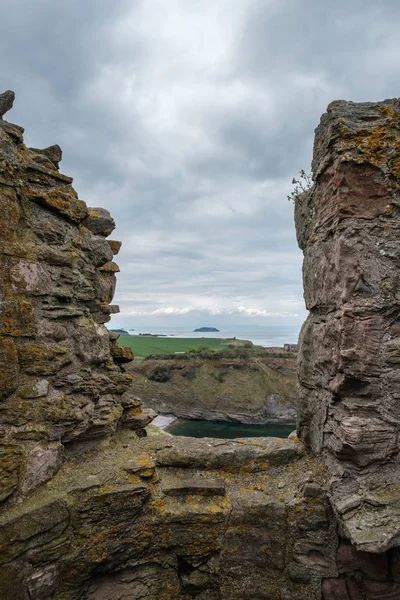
92, 510
348, 226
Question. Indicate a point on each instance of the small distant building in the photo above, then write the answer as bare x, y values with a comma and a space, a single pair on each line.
290, 347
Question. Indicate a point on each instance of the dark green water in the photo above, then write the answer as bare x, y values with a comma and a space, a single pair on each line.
217, 429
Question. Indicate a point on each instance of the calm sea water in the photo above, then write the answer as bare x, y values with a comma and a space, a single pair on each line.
262, 336
216, 429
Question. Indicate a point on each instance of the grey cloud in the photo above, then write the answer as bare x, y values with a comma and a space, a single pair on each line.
187, 121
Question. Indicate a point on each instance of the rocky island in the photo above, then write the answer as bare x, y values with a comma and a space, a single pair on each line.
205, 329
92, 510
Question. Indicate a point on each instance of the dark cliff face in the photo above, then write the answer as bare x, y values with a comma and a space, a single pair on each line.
251, 390
348, 226
89, 509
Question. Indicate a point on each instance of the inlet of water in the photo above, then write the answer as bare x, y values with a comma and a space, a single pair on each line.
218, 429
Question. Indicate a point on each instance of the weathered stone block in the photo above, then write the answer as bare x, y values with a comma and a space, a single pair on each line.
35, 389
110, 267
42, 463
122, 354
96, 249
42, 583
31, 530
138, 418
92, 341
99, 221
43, 359
248, 454
115, 246
62, 202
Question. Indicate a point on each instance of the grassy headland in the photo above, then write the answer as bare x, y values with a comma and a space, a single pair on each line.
145, 345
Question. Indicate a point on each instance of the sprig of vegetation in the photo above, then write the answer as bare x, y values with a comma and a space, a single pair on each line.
302, 184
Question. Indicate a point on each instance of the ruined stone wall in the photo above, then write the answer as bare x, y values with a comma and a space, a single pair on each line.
348, 226
59, 366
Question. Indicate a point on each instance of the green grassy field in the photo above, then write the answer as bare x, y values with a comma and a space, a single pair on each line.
143, 346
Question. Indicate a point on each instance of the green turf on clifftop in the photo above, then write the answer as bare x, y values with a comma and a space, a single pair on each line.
143, 345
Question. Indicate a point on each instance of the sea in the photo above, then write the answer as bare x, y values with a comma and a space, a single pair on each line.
269, 336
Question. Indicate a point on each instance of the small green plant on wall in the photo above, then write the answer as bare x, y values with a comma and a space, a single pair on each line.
302, 184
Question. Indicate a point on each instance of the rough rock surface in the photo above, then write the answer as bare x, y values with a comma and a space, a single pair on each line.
90, 510
6, 102
348, 226
59, 382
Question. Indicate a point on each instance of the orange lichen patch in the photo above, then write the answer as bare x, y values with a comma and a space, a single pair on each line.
141, 467
59, 200
122, 353
17, 318
110, 267
376, 145
193, 500
261, 464
144, 460
219, 505
158, 504
394, 166
390, 111
40, 359
98, 547
114, 245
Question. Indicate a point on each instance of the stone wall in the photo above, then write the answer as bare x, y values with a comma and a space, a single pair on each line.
90, 509
59, 366
348, 226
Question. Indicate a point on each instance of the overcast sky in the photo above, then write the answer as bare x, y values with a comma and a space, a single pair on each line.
187, 119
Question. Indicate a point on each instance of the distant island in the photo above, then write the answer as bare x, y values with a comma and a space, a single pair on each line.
123, 331
206, 329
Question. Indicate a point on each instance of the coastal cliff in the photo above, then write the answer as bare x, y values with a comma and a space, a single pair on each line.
92, 510
251, 390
